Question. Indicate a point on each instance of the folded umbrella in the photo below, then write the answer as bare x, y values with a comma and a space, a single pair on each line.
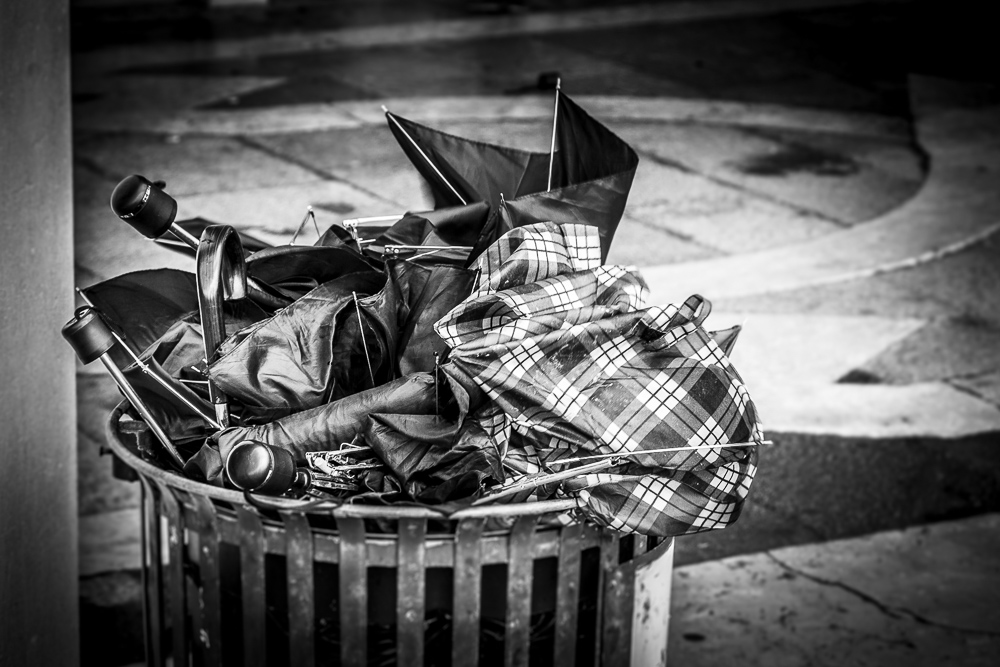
560, 343
335, 341
322, 428
144, 305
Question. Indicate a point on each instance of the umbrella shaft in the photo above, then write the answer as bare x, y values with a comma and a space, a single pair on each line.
184, 235
552, 145
222, 414
429, 162
140, 406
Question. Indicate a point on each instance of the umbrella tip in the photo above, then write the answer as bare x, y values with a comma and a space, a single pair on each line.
548, 81
384, 109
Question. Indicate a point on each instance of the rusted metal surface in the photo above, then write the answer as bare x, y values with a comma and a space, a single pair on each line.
301, 593
617, 616
651, 606
520, 569
410, 594
252, 585
468, 574
353, 600
608, 562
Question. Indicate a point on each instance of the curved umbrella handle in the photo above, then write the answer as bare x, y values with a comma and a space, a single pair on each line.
221, 276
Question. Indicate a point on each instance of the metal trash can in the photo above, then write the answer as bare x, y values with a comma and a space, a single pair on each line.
226, 583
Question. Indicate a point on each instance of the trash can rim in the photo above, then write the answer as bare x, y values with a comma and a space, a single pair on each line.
156, 473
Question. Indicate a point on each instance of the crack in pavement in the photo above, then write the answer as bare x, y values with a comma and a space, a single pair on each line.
892, 612
969, 391
730, 185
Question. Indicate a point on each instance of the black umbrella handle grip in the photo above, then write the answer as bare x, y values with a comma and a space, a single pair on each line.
88, 334
261, 468
221, 276
144, 205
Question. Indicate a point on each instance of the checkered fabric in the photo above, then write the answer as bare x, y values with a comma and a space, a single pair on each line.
562, 346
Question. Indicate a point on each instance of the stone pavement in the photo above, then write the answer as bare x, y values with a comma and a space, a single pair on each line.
839, 204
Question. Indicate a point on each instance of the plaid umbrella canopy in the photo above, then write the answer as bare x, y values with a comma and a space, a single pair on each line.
560, 344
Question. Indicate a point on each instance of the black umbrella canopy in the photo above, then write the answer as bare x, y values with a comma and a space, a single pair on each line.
461, 171
144, 305
591, 176
450, 226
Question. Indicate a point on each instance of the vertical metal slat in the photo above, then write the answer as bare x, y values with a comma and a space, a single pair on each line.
468, 576
608, 562
152, 563
175, 574
210, 601
301, 596
353, 592
640, 546
567, 595
617, 626
520, 566
252, 586
410, 594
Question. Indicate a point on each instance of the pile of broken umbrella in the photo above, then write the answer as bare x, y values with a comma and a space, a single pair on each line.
481, 352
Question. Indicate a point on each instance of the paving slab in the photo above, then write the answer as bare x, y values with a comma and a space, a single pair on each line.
922, 596
959, 286
637, 241
99, 98
944, 349
792, 365
956, 207
190, 165
726, 220
834, 176
369, 158
273, 214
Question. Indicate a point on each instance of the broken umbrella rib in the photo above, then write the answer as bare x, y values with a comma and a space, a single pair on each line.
424, 155
309, 214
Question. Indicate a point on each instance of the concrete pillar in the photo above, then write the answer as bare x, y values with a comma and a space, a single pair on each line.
38, 496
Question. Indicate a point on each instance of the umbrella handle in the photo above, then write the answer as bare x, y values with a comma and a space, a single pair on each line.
221, 276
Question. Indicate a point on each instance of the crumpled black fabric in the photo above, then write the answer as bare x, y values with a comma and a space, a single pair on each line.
424, 294
444, 456
313, 352
434, 459
296, 270
430, 438
323, 428
455, 226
